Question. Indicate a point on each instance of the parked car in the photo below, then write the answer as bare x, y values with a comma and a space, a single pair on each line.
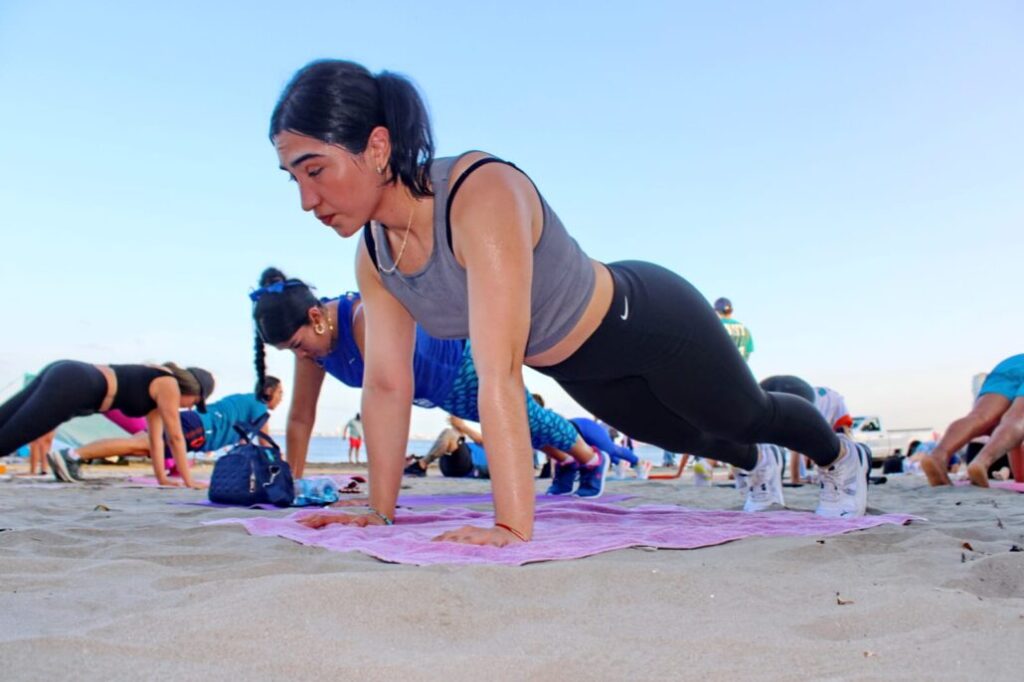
870, 430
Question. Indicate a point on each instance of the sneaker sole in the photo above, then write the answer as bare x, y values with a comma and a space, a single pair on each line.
605, 465
749, 506
864, 467
865, 471
59, 467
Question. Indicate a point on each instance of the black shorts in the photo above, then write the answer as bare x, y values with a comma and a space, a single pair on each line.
193, 430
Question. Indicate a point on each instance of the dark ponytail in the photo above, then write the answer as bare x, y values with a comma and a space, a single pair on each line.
341, 102
280, 308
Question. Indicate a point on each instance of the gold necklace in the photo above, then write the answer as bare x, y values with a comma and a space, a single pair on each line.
330, 330
401, 251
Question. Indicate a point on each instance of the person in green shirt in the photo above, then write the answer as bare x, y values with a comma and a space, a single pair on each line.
738, 331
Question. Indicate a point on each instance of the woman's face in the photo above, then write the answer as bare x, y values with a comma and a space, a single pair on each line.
276, 396
187, 402
307, 342
342, 189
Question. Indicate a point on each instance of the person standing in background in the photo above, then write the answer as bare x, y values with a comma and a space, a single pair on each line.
738, 331
354, 433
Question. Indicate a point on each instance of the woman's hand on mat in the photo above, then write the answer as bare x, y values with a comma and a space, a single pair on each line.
321, 519
355, 502
197, 485
472, 535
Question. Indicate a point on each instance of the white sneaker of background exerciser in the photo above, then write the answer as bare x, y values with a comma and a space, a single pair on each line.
844, 484
764, 483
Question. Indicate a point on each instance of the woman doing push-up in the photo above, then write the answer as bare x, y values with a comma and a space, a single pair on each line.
467, 247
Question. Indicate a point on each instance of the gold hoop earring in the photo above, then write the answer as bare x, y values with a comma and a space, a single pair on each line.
319, 329
380, 171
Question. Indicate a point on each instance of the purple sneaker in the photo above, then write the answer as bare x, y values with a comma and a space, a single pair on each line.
563, 478
592, 478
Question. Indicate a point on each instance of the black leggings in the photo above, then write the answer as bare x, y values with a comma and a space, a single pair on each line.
63, 390
662, 368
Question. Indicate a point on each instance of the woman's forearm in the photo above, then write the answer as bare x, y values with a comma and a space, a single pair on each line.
180, 454
297, 444
386, 415
507, 436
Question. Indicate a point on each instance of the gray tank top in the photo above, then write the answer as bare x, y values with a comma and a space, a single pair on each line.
437, 295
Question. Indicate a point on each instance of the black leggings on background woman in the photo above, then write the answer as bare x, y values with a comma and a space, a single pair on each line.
62, 391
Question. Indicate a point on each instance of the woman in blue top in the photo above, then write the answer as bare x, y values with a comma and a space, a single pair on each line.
328, 337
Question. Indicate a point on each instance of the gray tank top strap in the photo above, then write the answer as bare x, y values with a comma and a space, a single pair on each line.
437, 295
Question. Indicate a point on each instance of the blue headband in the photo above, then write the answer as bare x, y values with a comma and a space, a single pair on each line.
275, 288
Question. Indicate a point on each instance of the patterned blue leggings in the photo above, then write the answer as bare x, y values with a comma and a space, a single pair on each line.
546, 427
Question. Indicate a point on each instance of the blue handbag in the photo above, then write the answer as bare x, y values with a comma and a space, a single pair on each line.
251, 473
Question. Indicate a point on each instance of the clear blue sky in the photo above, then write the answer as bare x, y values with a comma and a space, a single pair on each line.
849, 174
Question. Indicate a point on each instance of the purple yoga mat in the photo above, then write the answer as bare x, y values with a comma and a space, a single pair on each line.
570, 530
413, 501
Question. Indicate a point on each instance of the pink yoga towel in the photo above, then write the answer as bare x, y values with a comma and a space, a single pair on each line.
1005, 485
571, 529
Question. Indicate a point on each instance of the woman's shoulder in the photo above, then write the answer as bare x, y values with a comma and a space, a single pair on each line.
459, 163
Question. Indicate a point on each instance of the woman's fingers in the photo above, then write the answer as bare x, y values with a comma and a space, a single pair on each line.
472, 535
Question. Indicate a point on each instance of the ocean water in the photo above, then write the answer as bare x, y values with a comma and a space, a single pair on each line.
325, 450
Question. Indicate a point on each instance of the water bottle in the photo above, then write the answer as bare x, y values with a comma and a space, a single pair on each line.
301, 492
325, 490
315, 491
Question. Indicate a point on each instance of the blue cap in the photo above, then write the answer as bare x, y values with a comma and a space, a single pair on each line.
723, 306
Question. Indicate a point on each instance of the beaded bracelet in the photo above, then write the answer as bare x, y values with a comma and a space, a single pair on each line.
386, 520
512, 530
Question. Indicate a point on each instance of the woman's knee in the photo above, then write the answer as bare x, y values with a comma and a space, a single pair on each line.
1013, 419
988, 410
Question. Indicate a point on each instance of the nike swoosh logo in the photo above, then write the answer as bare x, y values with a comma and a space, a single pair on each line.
625, 313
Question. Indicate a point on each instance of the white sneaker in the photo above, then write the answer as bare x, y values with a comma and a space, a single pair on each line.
765, 481
741, 479
844, 485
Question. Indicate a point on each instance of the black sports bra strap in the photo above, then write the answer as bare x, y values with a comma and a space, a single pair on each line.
371, 245
455, 188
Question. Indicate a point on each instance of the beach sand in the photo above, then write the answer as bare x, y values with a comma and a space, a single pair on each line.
103, 582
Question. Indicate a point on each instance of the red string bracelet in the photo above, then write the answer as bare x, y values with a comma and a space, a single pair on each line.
512, 530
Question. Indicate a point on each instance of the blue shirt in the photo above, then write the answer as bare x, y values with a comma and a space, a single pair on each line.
435, 363
221, 417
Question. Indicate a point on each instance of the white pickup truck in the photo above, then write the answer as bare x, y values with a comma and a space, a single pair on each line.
870, 431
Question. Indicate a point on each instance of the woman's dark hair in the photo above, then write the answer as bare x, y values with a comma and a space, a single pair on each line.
341, 102
187, 382
265, 388
538, 399
278, 312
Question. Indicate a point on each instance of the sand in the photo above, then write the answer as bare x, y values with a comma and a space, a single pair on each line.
104, 582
